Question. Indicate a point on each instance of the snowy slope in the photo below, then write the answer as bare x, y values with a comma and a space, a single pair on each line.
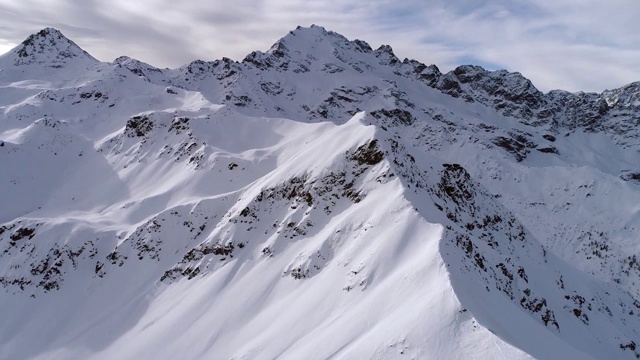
318, 200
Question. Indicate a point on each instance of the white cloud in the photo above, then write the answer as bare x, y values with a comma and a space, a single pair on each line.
571, 44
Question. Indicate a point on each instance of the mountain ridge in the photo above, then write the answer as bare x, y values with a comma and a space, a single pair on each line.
507, 92
50, 33
319, 199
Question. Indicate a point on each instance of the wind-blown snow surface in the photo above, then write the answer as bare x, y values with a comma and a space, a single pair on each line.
320, 200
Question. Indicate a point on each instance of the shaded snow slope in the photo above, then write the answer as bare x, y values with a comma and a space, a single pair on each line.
318, 200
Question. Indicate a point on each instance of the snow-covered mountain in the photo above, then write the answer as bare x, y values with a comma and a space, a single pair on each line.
320, 200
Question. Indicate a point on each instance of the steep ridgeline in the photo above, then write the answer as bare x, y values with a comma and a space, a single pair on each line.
316, 74
318, 200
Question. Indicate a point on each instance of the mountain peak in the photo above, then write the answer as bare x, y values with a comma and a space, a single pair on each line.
314, 29
47, 47
318, 34
313, 43
386, 55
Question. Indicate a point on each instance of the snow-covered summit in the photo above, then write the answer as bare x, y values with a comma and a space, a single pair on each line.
143, 70
48, 47
307, 47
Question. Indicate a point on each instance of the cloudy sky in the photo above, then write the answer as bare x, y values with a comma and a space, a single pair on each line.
569, 44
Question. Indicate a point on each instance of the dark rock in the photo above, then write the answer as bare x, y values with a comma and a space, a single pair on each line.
549, 150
